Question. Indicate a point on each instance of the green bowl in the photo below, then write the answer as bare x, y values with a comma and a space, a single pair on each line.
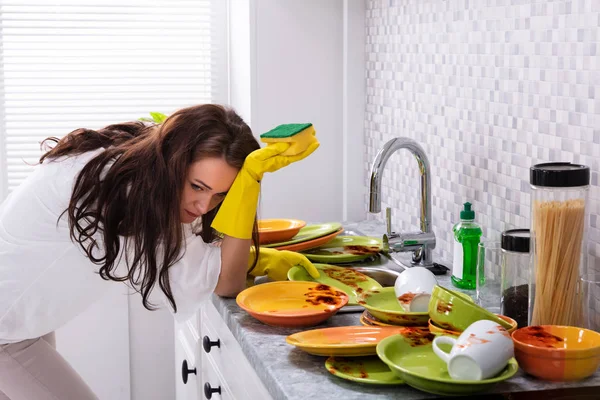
412, 359
384, 306
451, 311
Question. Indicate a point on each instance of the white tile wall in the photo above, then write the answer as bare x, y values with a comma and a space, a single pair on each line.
489, 88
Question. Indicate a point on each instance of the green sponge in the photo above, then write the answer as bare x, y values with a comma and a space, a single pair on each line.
300, 136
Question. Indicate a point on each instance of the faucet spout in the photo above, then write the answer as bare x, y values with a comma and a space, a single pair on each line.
426, 242
377, 173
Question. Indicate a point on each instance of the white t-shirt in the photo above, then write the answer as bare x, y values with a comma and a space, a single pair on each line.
47, 280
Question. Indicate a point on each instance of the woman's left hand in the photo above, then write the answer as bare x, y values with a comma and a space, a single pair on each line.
276, 263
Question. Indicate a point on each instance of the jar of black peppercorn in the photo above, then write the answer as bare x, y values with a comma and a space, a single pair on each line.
515, 275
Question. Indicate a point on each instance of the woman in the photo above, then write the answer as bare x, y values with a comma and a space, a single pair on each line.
133, 203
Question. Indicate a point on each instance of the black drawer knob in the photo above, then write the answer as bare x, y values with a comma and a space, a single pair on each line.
185, 371
209, 390
208, 344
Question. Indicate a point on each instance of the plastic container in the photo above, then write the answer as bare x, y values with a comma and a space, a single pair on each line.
560, 282
467, 235
515, 263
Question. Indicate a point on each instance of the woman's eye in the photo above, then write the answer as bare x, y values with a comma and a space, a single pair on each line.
196, 187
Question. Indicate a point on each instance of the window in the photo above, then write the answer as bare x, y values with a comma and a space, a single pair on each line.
68, 64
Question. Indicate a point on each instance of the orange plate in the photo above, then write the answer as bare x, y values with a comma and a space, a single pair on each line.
291, 304
345, 341
557, 353
278, 230
310, 243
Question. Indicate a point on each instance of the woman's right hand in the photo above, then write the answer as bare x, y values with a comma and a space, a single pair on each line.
238, 211
269, 159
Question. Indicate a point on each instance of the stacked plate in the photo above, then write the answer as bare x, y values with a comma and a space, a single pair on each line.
308, 237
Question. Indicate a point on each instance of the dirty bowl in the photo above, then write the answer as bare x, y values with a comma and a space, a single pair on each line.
291, 304
437, 330
278, 230
557, 353
450, 310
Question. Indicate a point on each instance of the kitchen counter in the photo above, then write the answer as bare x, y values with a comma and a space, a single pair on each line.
289, 373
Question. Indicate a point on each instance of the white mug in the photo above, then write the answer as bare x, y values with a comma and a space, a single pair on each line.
413, 288
480, 352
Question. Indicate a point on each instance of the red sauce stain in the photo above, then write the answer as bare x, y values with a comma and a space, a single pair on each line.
418, 336
364, 374
362, 302
361, 250
346, 276
444, 308
333, 370
538, 336
407, 297
323, 294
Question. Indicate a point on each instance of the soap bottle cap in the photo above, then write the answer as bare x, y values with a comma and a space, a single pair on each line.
467, 213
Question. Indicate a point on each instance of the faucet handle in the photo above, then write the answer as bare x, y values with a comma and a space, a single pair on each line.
388, 220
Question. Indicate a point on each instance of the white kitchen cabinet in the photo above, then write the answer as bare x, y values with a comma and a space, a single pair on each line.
222, 371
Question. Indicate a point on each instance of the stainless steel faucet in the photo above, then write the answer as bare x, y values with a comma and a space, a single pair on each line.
420, 243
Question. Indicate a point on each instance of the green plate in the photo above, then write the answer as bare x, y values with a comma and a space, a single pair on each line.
384, 306
344, 249
417, 365
362, 369
347, 280
309, 232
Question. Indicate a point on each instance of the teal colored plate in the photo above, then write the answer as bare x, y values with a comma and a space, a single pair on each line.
309, 232
345, 249
347, 280
369, 370
415, 363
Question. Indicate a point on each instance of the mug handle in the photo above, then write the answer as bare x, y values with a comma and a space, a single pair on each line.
439, 352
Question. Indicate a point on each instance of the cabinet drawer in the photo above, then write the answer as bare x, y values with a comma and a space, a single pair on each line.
213, 385
229, 358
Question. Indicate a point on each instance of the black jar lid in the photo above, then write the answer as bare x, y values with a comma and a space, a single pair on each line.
516, 240
559, 175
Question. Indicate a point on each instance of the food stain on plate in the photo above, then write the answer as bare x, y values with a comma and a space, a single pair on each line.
323, 294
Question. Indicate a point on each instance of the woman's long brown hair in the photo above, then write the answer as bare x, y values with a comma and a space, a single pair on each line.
129, 195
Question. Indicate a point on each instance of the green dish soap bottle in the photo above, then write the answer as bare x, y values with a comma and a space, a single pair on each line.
467, 235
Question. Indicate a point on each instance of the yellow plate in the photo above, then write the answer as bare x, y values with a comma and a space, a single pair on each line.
342, 340
278, 230
291, 304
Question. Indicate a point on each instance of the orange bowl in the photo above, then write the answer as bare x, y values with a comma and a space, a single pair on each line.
557, 353
292, 303
278, 230
438, 330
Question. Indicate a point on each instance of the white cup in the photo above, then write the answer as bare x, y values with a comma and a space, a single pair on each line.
413, 288
480, 352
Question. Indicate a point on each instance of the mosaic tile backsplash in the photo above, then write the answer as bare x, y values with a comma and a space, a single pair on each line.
488, 88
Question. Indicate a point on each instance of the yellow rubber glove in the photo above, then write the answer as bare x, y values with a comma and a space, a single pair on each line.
276, 263
237, 213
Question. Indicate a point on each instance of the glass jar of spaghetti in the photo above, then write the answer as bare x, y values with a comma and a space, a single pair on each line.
557, 291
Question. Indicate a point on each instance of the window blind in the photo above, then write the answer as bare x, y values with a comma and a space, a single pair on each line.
68, 64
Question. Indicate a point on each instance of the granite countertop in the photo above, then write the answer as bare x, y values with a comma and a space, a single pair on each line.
289, 373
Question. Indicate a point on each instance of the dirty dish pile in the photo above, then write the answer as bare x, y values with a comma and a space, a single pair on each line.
309, 237
278, 230
345, 249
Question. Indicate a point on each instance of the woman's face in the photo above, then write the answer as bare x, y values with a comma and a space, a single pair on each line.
205, 186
